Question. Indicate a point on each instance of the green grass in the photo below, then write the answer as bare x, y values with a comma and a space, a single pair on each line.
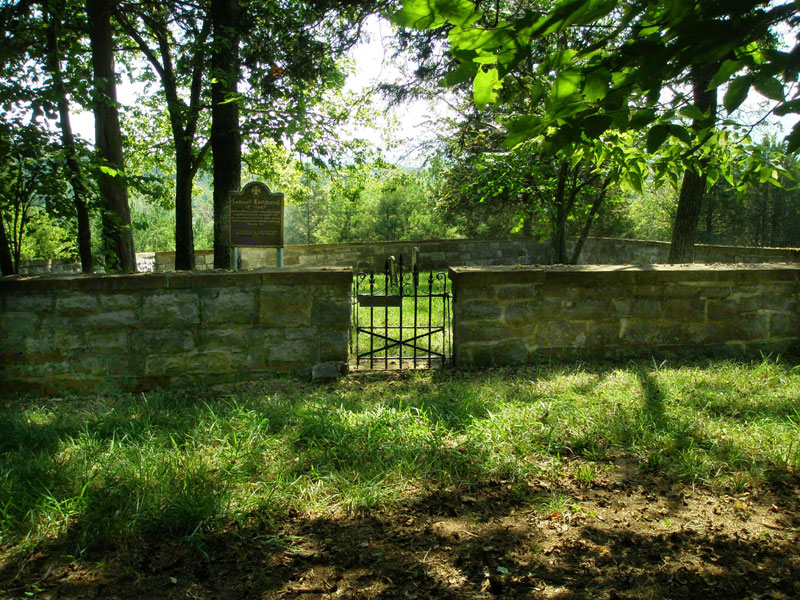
181, 465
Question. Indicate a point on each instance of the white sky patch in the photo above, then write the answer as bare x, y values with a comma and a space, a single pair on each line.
412, 125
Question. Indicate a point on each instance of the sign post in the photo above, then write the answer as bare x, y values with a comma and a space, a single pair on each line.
256, 220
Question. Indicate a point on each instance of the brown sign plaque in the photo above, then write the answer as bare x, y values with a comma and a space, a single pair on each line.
257, 217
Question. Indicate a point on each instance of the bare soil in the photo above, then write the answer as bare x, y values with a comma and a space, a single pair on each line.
626, 534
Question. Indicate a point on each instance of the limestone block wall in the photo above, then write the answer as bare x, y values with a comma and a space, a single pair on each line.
130, 332
507, 315
441, 254
55, 266
615, 251
433, 254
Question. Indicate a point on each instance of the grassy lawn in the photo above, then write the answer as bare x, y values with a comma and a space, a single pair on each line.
185, 467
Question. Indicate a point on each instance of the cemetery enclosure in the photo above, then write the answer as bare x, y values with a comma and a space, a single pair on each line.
129, 332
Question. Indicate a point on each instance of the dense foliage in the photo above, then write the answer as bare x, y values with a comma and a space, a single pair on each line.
604, 117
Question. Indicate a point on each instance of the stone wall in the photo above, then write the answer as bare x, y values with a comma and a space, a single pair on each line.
507, 315
441, 254
433, 254
614, 251
145, 263
93, 334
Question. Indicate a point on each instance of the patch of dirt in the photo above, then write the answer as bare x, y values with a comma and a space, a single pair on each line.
625, 535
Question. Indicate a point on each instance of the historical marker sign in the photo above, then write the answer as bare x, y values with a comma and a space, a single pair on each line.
257, 217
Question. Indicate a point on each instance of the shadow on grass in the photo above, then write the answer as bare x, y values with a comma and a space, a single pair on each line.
440, 545
166, 468
680, 440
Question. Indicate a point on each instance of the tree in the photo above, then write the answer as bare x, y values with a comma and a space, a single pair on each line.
35, 78
55, 14
288, 53
550, 186
633, 76
546, 195
30, 174
764, 213
226, 140
174, 39
120, 251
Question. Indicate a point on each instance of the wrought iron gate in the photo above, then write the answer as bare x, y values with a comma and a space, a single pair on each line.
401, 322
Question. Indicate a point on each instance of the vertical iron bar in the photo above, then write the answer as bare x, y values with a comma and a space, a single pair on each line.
400, 337
371, 321
415, 281
430, 306
386, 275
446, 341
354, 318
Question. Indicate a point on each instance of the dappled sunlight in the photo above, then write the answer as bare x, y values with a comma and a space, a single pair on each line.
139, 469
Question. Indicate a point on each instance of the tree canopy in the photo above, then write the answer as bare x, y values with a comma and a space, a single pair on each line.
650, 68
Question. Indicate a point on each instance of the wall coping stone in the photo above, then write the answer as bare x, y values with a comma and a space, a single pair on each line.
176, 280
660, 243
626, 273
626, 241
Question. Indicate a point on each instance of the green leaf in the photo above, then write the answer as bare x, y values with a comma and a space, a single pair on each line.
656, 137
594, 11
417, 14
595, 125
485, 86
458, 12
793, 106
725, 72
770, 87
727, 174
692, 112
566, 84
464, 72
557, 18
431, 14
473, 38
596, 85
681, 133
766, 173
109, 171
642, 117
736, 93
793, 139
521, 129
712, 176
557, 59
635, 180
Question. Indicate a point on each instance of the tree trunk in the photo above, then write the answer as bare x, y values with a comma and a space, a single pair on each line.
308, 222
184, 234
68, 141
120, 252
684, 230
226, 144
709, 228
6, 262
559, 249
576, 254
